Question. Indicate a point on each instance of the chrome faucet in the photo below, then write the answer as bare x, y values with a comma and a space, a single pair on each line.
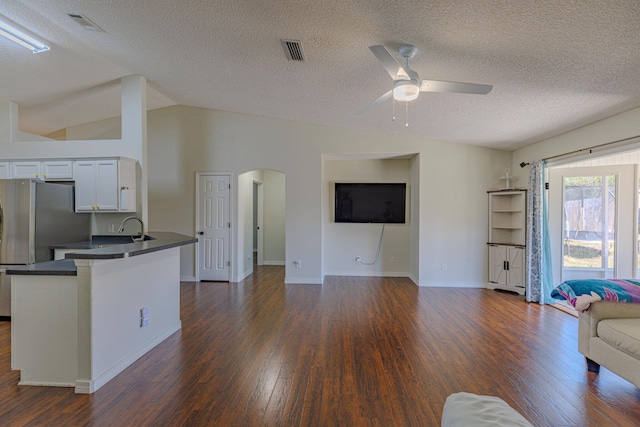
121, 228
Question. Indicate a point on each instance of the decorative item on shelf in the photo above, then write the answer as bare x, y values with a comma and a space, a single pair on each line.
508, 178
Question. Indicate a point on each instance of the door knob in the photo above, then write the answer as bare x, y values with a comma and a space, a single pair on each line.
201, 232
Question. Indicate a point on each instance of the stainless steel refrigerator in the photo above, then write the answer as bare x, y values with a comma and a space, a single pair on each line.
33, 216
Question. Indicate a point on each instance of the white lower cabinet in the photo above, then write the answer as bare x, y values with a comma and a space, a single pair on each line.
507, 267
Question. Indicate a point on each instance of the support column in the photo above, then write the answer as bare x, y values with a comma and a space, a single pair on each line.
134, 131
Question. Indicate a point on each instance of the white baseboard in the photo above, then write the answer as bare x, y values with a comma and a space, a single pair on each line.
469, 285
302, 281
188, 278
242, 277
84, 386
370, 274
46, 383
272, 262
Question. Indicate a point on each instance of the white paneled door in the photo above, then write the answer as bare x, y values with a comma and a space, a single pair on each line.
213, 227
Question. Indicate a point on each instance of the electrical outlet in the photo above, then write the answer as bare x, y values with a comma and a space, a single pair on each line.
112, 228
393, 260
144, 317
444, 267
297, 263
357, 259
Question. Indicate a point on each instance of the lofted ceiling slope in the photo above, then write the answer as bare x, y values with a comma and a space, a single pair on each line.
555, 66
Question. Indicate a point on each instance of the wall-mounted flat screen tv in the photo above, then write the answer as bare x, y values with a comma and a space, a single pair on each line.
371, 203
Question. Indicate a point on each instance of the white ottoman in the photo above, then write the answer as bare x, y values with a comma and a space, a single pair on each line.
468, 409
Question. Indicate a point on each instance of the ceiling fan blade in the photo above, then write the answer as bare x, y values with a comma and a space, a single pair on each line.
377, 102
456, 87
393, 67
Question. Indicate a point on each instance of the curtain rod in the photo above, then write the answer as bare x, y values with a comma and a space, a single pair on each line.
589, 149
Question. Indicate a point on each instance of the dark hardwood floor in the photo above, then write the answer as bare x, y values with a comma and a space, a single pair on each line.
355, 351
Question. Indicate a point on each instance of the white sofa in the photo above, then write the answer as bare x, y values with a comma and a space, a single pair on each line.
609, 335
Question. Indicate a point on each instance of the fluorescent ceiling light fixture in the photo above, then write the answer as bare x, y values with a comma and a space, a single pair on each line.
21, 38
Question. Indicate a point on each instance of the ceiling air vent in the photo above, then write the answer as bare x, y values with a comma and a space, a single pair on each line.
85, 22
293, 50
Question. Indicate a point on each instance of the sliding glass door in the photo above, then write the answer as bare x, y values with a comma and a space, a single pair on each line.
588, 226
593, 217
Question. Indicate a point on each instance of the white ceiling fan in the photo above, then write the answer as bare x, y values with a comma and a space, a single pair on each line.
407, 85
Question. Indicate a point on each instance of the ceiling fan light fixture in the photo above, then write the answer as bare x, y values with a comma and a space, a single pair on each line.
405, 90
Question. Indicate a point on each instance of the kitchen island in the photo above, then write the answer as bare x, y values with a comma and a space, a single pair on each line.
80, 321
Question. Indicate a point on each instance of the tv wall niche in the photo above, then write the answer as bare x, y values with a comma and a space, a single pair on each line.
370, 202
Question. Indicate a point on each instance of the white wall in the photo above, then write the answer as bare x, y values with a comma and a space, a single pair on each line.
448, 187
273, 225
450, 213
345, 241
245, 222
618, 127
274, 222
449, 181
453, 203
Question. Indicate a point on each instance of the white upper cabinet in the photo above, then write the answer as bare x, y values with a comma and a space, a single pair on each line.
21, 170
57, 170
104, 185
5, 172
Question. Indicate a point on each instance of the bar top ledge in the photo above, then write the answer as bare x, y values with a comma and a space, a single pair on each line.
161, 240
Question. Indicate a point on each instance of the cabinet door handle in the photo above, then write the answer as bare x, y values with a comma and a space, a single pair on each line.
504, 265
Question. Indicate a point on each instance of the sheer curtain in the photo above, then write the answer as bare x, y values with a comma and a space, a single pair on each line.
539, 274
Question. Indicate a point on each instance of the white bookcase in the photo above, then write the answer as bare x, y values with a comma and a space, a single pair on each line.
507, 240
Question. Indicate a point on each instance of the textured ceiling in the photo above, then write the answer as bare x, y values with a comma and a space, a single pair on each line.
555, 65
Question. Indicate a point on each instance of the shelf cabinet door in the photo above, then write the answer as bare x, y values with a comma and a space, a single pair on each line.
506, 266
497, 258
515, 257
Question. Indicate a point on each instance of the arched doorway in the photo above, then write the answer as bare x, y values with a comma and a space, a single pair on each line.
261, 220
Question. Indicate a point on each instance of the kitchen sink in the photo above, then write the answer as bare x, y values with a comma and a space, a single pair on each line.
114, 239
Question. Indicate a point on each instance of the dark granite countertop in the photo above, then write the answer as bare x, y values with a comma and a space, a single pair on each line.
64, 267
161, 240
